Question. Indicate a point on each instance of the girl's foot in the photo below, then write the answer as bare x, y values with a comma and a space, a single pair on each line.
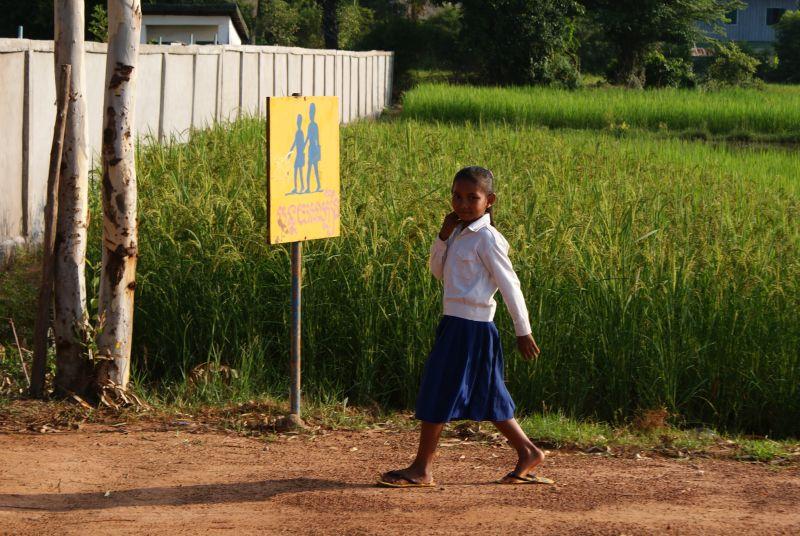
410, 475
529, 458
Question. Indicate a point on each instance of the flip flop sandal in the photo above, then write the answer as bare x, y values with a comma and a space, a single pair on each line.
408, 482
529, 479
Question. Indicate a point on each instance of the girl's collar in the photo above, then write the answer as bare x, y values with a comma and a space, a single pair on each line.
480, 223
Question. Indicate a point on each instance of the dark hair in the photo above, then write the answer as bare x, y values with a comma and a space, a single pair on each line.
482, 177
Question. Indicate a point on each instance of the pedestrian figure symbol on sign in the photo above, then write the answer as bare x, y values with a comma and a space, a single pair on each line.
301, 142
314, 149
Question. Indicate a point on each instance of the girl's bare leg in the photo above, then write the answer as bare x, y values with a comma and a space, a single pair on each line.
529, 454
421, 469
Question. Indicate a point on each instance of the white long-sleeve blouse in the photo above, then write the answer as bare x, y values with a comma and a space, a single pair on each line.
473, 263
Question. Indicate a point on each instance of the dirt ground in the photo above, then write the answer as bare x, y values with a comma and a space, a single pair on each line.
122, 479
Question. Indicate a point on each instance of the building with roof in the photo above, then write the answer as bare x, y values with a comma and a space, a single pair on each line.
755, 23
193, 24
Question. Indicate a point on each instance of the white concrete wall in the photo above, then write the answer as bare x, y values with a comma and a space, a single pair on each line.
12, 117
178, 88
42, 118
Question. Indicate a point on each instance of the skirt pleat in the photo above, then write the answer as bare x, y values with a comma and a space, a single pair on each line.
464, 377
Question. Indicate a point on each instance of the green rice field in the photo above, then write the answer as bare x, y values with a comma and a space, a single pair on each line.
772, 113
658, 272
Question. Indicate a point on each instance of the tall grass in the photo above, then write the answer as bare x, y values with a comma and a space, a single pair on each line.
656, 272
773, 112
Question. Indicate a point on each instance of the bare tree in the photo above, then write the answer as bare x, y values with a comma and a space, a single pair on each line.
73, 367
120, 233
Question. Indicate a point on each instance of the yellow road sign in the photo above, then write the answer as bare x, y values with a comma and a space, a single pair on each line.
302, 168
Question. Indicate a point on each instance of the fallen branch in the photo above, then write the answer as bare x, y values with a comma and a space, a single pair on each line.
19, 349
45, 300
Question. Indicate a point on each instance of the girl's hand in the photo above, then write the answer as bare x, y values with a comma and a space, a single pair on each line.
528, 347
449, 224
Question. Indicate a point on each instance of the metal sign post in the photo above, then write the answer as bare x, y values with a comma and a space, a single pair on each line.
297, 284
303, 195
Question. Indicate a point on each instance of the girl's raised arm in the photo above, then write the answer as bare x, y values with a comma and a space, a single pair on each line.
439, 247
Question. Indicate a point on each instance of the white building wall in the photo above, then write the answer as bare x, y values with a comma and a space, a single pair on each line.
178, 28
233, 35
751, 21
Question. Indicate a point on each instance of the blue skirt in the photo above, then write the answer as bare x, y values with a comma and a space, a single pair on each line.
463, 376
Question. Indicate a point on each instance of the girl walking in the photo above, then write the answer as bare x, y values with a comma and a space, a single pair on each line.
463, 377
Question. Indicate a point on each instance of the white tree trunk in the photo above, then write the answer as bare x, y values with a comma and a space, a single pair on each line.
73, 368
120, 240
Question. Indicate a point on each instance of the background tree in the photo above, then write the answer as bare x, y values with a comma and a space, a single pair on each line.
286, 23
330, 23
431, 43
257, 22
73, 367
731, 67
787, 47
36, 16
669, 67
98, 24
310, 25
520, 41
279, 23
355, 22
635, 28
415, 9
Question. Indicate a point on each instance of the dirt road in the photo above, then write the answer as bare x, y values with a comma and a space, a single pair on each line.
113, 480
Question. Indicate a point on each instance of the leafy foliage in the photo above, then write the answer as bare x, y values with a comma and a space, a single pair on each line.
595, 52
663, 71
560, 70
732, 67
309, 24
292, 23
98, 24
355, 22
277, 23
520, 42
429, 43
788, 47
635, 28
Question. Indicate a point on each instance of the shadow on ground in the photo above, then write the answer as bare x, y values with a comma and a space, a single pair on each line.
233, 492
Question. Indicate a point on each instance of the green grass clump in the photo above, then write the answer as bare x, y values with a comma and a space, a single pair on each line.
657, 272
560, 430
762, 450
773, 113
557, 430
19, 282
